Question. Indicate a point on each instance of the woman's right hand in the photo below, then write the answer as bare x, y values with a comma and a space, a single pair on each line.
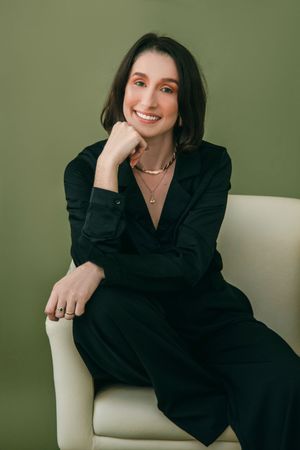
124, 141
71, 293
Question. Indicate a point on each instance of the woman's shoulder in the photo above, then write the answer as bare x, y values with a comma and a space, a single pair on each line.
210, 148
207, 157
214, 156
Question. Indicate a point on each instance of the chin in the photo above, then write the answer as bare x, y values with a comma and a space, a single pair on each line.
143, 130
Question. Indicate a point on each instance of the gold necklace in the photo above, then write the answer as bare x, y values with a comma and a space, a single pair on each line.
152, 200
157, 172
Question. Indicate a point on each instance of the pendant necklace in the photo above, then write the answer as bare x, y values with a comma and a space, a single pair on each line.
164, 169
152, 199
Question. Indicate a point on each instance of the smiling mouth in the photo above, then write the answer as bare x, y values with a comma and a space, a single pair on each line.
150, 118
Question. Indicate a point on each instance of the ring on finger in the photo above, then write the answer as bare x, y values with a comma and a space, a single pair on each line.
60, 308
69, 313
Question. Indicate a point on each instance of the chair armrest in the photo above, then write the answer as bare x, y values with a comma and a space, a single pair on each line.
74, 389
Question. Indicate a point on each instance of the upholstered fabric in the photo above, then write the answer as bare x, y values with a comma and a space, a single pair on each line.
260, 245
132, 409
101, 443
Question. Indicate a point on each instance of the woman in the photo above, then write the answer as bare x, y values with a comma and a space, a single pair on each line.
149, 303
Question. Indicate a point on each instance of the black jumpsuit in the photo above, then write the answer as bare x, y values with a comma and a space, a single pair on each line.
165, 317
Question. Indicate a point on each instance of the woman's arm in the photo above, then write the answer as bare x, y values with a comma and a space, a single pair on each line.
71, 293
97, 222
96, 212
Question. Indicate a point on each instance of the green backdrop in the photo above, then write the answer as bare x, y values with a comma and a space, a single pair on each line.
58, 61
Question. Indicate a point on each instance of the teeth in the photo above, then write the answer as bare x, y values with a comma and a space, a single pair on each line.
143, 116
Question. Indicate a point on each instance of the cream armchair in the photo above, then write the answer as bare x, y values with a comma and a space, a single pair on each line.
260, 245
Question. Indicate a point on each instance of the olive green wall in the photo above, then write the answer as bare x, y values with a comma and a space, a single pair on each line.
59, 58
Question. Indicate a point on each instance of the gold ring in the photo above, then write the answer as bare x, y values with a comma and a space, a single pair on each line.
70, 314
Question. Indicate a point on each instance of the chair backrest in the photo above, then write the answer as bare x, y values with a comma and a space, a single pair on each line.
260, 246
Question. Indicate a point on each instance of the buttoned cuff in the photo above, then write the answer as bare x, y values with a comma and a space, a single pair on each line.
105, 197
104, 214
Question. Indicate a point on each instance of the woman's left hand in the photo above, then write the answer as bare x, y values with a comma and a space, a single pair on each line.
71, 293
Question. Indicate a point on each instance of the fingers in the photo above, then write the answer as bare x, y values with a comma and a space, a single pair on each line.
142, 143
80, 306
70, 309
51, 305
52, 317
57, 308
70, 294
124, 140
137, 152
69, 315
133, 162
60, 310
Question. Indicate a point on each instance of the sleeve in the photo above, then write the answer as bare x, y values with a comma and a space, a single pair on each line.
97, 221
95, 214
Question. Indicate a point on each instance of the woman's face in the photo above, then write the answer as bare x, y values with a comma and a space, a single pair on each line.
151, 95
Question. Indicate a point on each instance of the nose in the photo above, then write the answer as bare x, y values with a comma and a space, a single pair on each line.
148, 98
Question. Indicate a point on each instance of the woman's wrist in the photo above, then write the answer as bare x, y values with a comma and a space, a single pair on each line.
106, 174
105, 160
94, 267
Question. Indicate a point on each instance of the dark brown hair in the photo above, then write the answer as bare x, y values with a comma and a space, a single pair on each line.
191, 93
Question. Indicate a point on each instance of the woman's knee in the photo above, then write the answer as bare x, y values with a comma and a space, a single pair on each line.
96, 316
111, 301
106, 304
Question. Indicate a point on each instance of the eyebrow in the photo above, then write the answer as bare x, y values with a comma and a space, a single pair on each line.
172, 80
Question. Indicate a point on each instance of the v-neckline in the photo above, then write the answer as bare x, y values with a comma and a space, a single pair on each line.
162, 214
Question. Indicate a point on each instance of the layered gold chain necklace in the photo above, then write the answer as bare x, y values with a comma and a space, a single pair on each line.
164, 169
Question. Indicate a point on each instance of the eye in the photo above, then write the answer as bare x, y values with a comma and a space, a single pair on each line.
169, 90
139, 81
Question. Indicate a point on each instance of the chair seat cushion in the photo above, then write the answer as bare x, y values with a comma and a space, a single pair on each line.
131, 412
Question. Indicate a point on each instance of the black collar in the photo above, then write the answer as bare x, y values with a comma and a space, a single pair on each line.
187, 165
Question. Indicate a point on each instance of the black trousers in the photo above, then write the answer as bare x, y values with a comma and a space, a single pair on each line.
210, 362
